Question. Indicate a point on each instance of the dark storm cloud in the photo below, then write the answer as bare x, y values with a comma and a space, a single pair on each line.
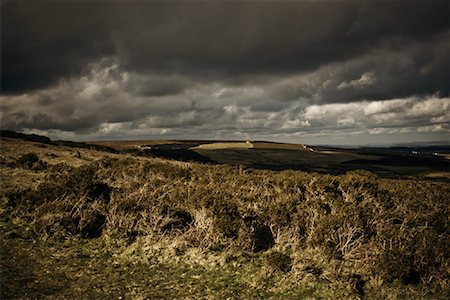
44, 41
418, 69
226, 69
153, 85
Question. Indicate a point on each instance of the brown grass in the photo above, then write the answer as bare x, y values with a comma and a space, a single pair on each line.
249, 145
355, 234
124, 145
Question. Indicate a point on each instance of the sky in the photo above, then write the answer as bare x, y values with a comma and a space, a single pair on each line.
316, 72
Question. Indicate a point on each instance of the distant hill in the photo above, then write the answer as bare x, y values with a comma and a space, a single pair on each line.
46, 140
391, 162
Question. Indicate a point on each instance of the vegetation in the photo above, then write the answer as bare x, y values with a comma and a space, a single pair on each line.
123, 225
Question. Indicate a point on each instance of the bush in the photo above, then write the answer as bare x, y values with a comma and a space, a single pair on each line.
74, 203
356, 227
31, 161
227, 219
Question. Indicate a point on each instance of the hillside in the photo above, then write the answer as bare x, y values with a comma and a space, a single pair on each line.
397, 162
86, 222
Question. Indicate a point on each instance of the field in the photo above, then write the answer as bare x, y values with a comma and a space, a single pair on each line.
404, 163
119, 221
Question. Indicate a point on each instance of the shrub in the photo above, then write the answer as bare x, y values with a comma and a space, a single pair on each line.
31, 161
356, 227
74, 202
29, 158
226, 215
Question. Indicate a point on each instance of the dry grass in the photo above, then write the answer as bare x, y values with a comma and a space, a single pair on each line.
225, 145
438, 175
11, 150
217, 231
124, 145
249, 145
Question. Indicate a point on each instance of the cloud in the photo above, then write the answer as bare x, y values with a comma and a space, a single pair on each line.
390, 131
434, 128
102, 104
382, 107
365, 80
45, 41
278, 70
394, 112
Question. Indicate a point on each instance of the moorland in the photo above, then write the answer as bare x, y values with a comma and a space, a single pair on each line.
221, 220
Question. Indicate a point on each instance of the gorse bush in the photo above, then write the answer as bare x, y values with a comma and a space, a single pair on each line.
367, 227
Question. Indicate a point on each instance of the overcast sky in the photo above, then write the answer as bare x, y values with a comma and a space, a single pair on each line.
316, 72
